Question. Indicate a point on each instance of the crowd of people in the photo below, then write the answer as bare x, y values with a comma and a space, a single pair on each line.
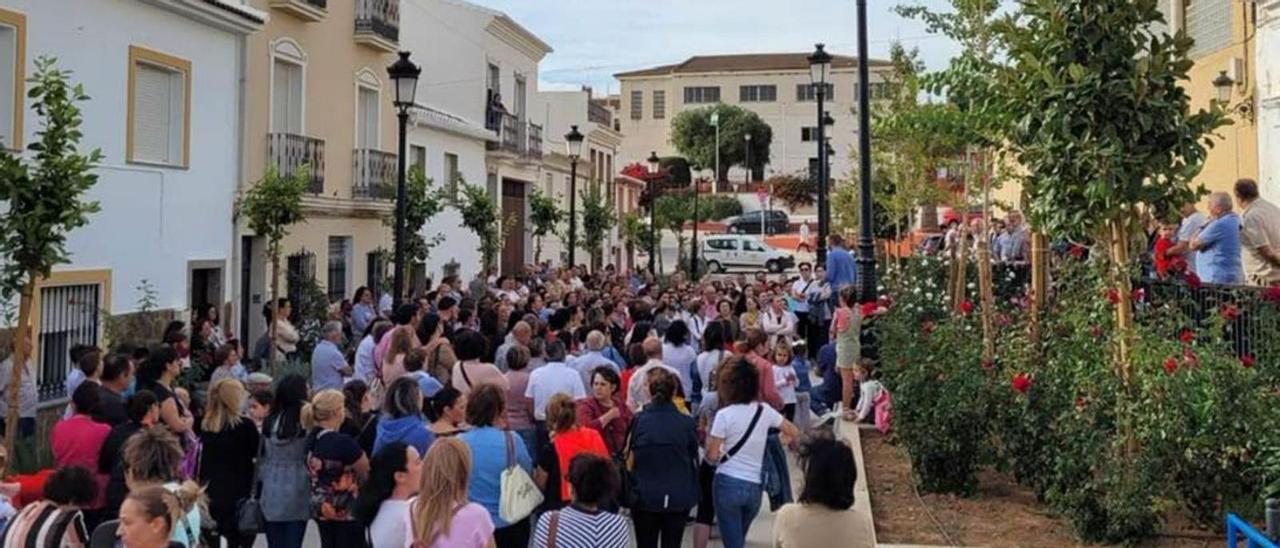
561, 408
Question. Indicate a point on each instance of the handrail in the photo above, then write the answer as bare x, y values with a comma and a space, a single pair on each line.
1237, 527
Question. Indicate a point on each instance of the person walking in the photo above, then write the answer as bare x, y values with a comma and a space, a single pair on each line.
664, 445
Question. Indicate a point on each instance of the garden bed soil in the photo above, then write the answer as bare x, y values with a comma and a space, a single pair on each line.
1003, 513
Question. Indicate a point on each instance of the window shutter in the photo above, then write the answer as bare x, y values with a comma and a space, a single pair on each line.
8, 77
368, 119
153, 114
286, 98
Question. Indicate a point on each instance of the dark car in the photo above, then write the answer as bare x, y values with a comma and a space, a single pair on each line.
775, 221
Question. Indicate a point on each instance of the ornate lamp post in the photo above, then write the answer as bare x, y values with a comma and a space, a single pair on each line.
866, 245
819, 66
573, 149
405, 75
654, 166
693, 248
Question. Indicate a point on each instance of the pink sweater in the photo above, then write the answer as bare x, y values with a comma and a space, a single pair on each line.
77, 441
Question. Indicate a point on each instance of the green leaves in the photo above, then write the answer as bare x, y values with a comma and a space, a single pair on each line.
43, 194
597, 219
422, 203
695, 138
480, 215
274, 203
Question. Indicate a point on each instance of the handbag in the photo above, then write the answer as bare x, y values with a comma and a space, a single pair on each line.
520, 495
249, 518
625, 462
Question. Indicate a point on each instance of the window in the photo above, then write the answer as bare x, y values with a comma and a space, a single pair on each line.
879, 90
286, 97
808, 134
159, 108
550, 181
418, 157
806, 92
367, 118
376, 271
451, 176
813, 167
637, 105
1208, 22
659, 104
723, 244
752, 245
13, 38
339, 257
518, 105
758, 94
492, 79
708, 94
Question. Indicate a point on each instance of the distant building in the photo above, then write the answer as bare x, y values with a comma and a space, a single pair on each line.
776, 86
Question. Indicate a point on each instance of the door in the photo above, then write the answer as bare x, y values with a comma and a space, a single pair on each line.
753, 253
514, 216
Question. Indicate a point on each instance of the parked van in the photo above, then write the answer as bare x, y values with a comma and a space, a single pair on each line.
721, 252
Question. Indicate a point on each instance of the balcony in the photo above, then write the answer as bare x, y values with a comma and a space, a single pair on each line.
378, 24
306, 10
597, 113
507, 126
535, 141
374, 174
290, 153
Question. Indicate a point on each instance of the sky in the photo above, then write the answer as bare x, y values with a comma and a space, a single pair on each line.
594, 39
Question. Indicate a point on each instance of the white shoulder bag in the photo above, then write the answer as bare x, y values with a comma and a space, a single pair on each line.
520, 495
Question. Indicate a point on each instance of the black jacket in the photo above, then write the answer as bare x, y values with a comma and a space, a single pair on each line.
664, 443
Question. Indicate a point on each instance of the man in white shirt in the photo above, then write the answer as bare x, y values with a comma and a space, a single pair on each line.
1192, 221
553, 378
592, 358
777, 321
638, 389
1259, 235
695, 321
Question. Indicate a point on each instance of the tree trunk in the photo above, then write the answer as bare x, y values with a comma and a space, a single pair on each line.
1124, 310
958, 284
537, 251
1039, 291
19, 365
985, 293
275, 305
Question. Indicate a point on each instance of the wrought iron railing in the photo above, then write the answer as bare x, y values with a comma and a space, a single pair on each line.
535, 141
597, 113
374, 173
70, 315
380, 17
509, 133
1251, 321
290, 153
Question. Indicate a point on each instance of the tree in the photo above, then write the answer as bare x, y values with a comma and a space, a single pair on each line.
597, 219
44, 198
673, 211
545, 216
794, 190
635, 234
1104, 124
271, 206
422, 203
693, 135
481, 216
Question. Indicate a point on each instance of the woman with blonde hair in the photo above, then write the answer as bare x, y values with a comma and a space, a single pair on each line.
337, 466
441, 516
147, 518
234, 439
153, 457
402, 341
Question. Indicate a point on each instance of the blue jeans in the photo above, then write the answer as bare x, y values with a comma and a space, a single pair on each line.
737, 503
285, 534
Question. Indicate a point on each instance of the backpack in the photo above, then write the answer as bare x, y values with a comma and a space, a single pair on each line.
884, 410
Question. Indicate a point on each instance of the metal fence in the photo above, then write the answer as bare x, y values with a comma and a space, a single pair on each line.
69, 315
1249, 325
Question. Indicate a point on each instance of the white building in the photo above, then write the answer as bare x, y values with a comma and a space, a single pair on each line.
469, 54
1268, 93
776, 86
165, 78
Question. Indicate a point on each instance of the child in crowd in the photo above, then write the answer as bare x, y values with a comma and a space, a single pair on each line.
800, 364
1165, 262
846, 330
784, 377
868, 390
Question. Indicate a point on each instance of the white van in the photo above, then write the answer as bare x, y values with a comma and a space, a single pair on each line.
721, 252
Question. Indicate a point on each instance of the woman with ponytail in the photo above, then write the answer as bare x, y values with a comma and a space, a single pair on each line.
447, 411
394, 475
153, 458
337, 466
286, 485
147, 519
440, 516
235, 442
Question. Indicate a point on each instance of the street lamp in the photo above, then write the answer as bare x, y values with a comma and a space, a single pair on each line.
654, 165
573, 148
819, 66
715, 183
693, 249
866, 245
405, 75
747, 138
1223, 85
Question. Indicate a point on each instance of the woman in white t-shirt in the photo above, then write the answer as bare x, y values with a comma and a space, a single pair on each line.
394, 474
737, 445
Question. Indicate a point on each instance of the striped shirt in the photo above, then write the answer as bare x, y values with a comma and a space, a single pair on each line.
584, 529
44, 525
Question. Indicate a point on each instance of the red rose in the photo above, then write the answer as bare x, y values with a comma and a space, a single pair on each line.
868, 309
1186, 336
1248, 360
966, 307
1272, 294
1193, 281
1077, 251
1096, 331
1113, 296
1003, 320
1139, 295
1081, 403
1021, 383
927, 327
1190, 358
988, 364
1171, 365
1230, 312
